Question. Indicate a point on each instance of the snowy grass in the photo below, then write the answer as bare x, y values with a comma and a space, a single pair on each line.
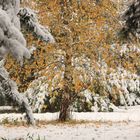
90, 131
131, 114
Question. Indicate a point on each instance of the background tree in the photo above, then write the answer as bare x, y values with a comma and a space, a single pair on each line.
132, 17
131, 29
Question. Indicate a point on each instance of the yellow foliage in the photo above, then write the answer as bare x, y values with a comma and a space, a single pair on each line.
88, 28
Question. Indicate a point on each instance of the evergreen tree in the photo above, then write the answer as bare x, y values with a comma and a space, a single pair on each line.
12, 41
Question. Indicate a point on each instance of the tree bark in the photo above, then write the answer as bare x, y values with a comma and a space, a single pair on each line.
68, 91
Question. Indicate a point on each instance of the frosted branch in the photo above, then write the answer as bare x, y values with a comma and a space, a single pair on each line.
30, 22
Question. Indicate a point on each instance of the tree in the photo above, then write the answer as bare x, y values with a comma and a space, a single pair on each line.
12, 41
77, 27
68, 88
78, 20
130, 32
88, 29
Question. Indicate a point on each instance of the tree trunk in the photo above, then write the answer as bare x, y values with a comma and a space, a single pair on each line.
68, 89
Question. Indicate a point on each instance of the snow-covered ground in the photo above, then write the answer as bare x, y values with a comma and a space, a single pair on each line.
120, 125
101, 131
121, 114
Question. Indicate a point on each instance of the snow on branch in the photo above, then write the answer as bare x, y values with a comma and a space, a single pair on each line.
11, 39
9, 88
30, 22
